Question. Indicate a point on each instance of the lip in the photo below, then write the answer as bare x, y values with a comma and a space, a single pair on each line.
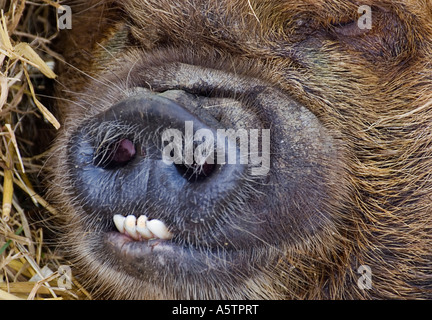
126, 246
151, 259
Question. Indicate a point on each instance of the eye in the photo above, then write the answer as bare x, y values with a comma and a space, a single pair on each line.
378, 32
358, 24
351, 29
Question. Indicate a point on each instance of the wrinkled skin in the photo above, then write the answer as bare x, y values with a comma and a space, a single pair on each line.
349, 182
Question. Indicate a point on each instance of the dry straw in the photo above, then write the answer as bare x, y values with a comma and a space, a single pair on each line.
29, 267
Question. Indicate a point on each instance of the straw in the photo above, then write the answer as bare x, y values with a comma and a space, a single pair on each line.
29, 267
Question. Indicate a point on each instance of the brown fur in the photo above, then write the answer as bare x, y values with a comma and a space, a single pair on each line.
372, 91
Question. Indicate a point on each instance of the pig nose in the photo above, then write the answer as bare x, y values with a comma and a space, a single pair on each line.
143, 150
160, 129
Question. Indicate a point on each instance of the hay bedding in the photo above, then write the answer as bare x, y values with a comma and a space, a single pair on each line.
29, 267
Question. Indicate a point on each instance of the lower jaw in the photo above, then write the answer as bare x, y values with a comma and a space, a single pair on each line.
152, 260
143, 258
159, 269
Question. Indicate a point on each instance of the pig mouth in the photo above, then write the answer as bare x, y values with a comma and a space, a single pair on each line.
150, 217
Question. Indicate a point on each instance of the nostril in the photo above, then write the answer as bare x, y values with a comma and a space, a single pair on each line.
198, 167
195, 171
114, 155
124, 152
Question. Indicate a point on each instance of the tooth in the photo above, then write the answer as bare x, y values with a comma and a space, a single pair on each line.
142, 229
130, 227
159, 229
119, 222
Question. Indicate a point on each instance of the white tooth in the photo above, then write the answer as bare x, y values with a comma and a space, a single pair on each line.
130, 227
119, 222
142, 229
159, 229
